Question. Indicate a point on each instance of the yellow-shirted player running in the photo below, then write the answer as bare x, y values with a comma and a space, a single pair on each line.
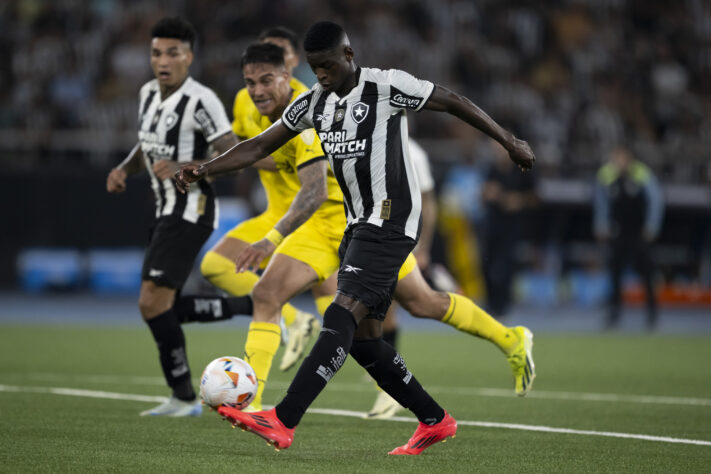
217, 265
310, 216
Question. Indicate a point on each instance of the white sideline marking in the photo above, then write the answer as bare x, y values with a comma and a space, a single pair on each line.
75, 392
364, 387
516, 426
358, 414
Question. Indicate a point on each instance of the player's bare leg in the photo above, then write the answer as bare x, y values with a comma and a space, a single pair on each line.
155, 303
218, 268
284, 278
420, 300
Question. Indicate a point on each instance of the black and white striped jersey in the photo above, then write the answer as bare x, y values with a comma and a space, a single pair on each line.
180, 128
364, 136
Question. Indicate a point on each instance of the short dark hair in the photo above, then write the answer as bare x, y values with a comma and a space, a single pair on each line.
322, 36
174, 27
263, 53
280, 32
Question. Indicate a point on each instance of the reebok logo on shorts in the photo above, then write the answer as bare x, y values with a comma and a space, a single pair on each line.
155, 273
352, 269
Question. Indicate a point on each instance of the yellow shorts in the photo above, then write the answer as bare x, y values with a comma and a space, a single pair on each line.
316, 244
407, 267
254, 229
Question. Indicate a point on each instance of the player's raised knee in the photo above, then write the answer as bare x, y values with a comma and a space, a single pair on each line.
214, 264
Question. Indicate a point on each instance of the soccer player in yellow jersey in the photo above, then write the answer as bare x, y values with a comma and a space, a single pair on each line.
305, 204
217, 265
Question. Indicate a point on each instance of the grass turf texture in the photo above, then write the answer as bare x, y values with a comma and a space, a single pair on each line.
44, 432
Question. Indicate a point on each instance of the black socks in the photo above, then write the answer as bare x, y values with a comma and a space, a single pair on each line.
388, 368
208, 309
170, 339
327, 356
379, 358
391, 337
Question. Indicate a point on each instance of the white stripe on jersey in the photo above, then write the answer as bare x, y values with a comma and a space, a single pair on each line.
377, 160
413, 219
170, 195
420, 161
191, 213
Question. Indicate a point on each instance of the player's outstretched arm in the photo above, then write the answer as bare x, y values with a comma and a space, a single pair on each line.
444, 100
313, 193
238, 157
223, 143
116, 180
227, 141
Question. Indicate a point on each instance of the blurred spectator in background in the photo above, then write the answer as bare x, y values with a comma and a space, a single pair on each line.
570, 72
628, 213
507, 194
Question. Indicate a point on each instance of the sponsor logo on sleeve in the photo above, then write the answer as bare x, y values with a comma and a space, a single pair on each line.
206, 123
297, 110
400, 99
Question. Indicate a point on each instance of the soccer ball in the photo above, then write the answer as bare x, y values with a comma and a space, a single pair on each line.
228, 381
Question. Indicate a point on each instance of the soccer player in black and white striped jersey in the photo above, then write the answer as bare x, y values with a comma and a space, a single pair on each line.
178, 120
360, 116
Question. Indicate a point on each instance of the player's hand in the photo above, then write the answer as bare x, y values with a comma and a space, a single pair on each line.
116, 181
520, 153
252, 256
165, 169
186, 174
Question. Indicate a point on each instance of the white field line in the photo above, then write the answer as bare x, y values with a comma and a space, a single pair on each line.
435, 390
75, 392
358, 414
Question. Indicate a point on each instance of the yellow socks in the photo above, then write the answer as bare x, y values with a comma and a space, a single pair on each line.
262, 343
323, 302
222, 272
466, 316
288, 313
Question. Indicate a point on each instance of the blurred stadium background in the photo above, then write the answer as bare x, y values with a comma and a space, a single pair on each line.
573, 77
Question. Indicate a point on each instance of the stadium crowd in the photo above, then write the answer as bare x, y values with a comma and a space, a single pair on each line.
571, 76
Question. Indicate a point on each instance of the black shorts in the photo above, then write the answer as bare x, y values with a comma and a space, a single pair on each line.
371, 258
174, 244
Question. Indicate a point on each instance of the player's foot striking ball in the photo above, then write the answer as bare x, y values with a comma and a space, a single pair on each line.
264, 424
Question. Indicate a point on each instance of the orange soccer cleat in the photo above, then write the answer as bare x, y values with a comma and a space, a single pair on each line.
426, 435
264, 424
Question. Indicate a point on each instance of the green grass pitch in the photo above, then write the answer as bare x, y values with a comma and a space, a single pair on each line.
636, 375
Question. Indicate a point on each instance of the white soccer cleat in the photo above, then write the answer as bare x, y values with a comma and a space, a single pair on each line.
300, 331
175, 407
384, 407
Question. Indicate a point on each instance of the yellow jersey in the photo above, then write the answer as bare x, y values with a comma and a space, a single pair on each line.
282, 186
